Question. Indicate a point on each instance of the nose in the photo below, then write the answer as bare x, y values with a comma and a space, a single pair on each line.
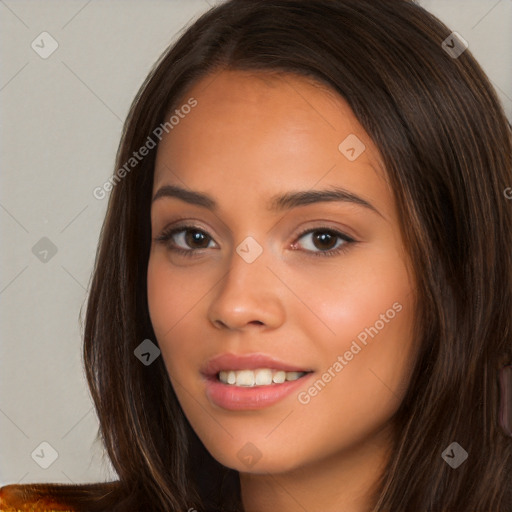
248, 296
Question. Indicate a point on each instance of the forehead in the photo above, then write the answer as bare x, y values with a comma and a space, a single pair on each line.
266, 132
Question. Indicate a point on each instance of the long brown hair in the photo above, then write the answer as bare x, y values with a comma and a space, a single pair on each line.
447, 149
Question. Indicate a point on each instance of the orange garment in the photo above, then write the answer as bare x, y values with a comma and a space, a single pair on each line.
53, 497
29, 498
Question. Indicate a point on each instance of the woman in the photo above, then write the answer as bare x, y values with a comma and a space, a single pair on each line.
251, 371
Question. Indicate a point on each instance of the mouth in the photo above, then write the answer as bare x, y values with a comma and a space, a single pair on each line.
251, 381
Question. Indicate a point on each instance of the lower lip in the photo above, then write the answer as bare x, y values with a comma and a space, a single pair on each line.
237, 398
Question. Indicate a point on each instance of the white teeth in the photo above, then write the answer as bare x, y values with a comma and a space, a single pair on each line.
293, 375
259, 377
245, 378
263, 377
279, 377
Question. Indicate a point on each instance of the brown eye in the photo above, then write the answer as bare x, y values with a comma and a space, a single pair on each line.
324, 242
193, 237
185, 239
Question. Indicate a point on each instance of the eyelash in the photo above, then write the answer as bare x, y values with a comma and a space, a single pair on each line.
167, 235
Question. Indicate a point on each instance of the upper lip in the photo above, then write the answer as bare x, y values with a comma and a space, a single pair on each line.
229, 361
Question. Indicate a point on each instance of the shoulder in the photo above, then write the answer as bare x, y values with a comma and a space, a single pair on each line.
58, 497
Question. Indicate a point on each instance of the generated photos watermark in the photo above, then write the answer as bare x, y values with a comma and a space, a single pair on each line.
305, 397
143, 151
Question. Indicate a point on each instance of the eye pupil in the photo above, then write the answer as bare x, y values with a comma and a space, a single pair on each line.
324, 237
196, 236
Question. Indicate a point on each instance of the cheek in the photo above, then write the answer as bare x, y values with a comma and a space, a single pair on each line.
171, 293
366, 315
163, 301
345, 299
361, 385
178, 301
171, 297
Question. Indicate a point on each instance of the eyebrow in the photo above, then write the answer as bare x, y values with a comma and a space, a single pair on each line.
276, 204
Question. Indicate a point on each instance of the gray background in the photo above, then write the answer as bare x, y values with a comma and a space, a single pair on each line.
61, 119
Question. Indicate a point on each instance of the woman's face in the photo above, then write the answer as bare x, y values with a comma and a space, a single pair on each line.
245, 289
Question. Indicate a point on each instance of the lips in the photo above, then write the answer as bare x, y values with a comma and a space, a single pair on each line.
229, 361
246, 396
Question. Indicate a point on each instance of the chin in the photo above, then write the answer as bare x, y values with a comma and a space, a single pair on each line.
250, 459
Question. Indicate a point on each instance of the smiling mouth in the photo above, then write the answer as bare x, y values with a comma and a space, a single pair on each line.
257, 377
253, 381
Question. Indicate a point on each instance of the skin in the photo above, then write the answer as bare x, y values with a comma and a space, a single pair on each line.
252, 136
